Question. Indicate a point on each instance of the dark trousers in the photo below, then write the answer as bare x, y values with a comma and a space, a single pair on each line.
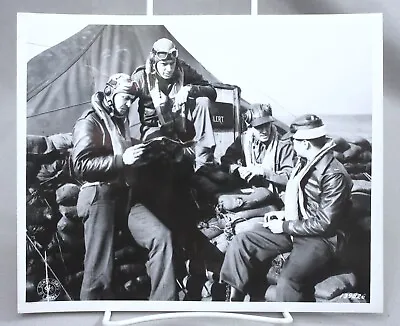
252, 249
150, 233
102, 207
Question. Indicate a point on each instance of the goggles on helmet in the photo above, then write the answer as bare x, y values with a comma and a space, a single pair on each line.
164, 55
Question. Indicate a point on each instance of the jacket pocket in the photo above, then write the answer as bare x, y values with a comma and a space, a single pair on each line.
86, 198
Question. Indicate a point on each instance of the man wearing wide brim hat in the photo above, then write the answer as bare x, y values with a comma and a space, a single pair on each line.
317, 199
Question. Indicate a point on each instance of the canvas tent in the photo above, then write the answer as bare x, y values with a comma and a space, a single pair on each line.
62, 79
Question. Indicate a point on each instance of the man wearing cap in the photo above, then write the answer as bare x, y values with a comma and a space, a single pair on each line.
103, 156
174, 101
258, 156
317, 199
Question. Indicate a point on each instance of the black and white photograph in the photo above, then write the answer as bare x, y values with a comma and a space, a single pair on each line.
206, 163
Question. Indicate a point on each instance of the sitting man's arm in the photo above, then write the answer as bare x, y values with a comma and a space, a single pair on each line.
233, 155
89, 160
286, 157
199, 87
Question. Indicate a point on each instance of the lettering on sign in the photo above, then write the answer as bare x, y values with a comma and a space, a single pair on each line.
218, 119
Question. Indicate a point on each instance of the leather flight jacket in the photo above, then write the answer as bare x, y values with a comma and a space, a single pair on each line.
147, 112
92, 156
327, 190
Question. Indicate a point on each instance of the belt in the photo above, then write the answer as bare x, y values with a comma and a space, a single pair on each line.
99, 183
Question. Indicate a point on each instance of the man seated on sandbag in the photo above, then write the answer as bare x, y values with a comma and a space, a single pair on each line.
103, 157
258, 156
174, 101
317, 199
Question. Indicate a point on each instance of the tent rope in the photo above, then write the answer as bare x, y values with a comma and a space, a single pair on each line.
58, 109
47, 82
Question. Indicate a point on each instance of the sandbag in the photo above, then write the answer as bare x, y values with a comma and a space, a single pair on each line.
32, 169
61, 142
38, 215
39, 149
135, 289
352, 153
31, 291
69, 212
38, 145
363, 186
40, 235
130, 271
67, 194
69, 242
233, 218
50, 171
353, 168
70, 226
248, 225
335, 285
75, 278
365, 156
210, 181
276, 267
126, 255
242, 200
339, 156
342, 144
221, 242
361, 142
358, 176
211, 228
361, 203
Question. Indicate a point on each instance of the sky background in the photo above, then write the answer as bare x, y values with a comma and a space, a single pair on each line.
321, 64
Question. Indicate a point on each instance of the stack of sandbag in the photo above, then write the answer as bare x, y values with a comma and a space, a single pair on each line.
41, 211
356, 156
237, 212
130, 275
67, 245
55, 231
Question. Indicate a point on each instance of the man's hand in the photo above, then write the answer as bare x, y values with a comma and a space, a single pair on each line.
275, 226
233, 167
244, 173
132, 154
181, 97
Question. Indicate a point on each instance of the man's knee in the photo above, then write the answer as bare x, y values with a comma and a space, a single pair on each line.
162, 238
